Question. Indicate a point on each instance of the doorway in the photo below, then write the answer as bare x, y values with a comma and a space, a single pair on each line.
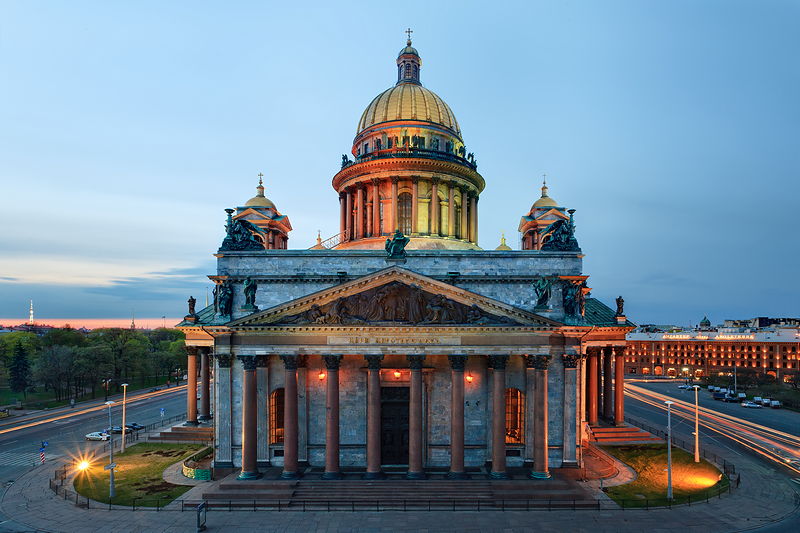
394, 425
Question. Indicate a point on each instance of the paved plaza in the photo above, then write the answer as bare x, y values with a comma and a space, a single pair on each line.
765, 498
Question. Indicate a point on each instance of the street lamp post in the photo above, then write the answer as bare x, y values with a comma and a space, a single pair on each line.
669, 449
124, 398
696, 426
112, 491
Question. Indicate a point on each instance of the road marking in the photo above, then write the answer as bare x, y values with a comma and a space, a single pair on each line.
22, 459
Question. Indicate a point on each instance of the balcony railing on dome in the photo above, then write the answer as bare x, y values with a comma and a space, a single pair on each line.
406, 151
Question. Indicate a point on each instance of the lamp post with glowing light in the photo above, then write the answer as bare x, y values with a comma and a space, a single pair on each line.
112, 491
124, 398
669, 448
696, 426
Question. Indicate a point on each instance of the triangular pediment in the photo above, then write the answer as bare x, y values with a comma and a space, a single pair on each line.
394, 296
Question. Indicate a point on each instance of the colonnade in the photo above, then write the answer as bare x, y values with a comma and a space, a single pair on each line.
361, 216
497, 364
192, 354
605, 391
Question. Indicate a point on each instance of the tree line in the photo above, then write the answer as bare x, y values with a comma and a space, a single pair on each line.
70, 363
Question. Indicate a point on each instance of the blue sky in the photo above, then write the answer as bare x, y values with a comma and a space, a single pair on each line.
127, 128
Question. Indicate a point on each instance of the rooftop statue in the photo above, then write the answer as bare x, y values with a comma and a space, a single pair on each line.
395, 246
561, 236
543, 288
192, 302
225, 299
250, 287
240, 235
620, 306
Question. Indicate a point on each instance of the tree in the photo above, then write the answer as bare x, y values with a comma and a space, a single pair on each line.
19, 371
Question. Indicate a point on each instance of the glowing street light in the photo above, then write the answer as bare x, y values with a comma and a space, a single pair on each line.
112, 491
83, 466
696, 426
124, 398
669, 448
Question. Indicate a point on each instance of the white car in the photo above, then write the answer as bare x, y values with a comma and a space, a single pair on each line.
97, 435
752, 405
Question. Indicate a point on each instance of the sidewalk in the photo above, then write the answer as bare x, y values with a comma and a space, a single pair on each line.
764, 498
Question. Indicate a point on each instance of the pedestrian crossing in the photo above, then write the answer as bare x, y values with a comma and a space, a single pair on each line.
23, 459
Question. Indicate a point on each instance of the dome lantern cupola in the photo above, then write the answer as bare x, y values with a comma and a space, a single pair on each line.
408, 63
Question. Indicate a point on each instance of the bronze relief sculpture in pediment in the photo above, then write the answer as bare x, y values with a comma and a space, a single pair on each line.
395, 303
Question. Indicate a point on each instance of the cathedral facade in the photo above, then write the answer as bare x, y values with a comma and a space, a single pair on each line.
399, 344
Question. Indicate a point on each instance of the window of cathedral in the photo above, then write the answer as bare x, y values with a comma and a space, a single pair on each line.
404, 212
276, 416
515, 416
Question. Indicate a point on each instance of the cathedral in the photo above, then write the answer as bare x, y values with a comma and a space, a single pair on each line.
399, 345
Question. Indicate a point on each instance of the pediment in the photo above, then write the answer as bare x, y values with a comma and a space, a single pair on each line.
394, 297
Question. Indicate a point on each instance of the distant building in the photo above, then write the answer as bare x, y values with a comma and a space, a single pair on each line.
771, 345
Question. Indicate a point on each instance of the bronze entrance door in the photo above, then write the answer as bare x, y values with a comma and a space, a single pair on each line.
394, 425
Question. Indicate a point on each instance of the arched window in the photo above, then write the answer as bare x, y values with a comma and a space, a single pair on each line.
515, 416
276, 417
408, 70
404, 213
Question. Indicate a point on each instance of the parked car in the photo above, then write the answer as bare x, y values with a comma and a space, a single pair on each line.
711, 388
752, 405
757, 399
118, 429
684, 386
766, 402
742, 396
134, 427
730, 398
719, 396
775, 404
97, 435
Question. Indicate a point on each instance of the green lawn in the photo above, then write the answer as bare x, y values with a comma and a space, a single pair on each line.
690, 480
138, 475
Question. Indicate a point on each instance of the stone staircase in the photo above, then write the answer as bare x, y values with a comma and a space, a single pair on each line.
185, 434
398, 494
622, 435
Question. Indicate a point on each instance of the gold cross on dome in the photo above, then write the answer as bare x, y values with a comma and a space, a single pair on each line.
260, 175
409, 31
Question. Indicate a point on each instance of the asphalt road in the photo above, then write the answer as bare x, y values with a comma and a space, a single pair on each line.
19, 449
780, 419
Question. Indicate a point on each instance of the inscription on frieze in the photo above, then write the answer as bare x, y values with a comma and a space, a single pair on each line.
395, 340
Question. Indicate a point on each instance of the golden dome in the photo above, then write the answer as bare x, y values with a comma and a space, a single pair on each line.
503, 246
408, 101
545, 201
259, 200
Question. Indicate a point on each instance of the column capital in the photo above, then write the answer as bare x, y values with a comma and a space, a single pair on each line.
538, 361
415, 361
436, 180
204, 350
191, 351
395, 179
458, 362
593, 351
248, 361
224, 360
376, 181
498, 362
414, 179
332, 362
570, 360
262, 361
290, 361
619, 351
374, 361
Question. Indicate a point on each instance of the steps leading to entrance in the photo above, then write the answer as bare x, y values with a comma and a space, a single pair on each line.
185, 433
400, 494
622, 435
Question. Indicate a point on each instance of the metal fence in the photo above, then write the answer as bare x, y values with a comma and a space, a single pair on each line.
727, 467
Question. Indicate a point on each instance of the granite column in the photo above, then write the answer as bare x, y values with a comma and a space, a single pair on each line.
290, 430
498, 365
415, 466
373, 416
249, 418
457, 364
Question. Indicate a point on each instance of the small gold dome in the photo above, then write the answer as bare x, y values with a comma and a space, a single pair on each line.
503, 246
545, 201
259, 200
408, 101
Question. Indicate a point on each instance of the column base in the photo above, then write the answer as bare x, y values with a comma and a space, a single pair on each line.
332, 475
416, 475
539, 475
373, 475
290, 475
498, 475
244, 476
191, 423
457, 475
619, 424
203, 418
